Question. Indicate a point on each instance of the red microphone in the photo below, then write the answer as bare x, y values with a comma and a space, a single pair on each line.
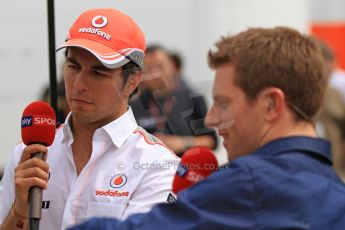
196, 164
38, 124
38, 127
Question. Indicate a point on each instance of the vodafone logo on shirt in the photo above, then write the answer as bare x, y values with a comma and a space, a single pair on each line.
118, 181
109, 192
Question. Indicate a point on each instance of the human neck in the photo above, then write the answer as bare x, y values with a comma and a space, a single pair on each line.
300, 128
82, 145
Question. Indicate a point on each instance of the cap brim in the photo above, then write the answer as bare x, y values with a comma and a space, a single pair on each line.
107, 56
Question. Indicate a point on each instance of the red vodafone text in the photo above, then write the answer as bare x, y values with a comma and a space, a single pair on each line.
114, 193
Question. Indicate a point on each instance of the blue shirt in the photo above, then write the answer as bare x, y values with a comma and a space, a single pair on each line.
286, 184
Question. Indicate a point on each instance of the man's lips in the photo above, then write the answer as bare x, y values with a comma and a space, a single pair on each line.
81, 101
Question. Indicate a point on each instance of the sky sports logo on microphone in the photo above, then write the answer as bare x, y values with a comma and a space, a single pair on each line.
181, 170
37, 120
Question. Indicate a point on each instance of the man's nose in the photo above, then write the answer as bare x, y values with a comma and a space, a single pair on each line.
80, 82
211, 119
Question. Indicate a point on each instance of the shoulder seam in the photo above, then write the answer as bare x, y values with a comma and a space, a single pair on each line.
150, 142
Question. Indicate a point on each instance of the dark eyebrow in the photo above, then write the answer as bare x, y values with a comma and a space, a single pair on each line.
72, 60
101, 67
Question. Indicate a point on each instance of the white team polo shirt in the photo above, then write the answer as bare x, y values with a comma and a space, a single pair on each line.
129, 171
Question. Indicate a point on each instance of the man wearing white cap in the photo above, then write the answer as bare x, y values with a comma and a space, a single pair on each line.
101, 162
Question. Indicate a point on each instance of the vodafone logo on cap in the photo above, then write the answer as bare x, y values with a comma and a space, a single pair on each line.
99, 21
118, 181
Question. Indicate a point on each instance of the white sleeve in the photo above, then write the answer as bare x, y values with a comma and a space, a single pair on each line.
7, 194
154, 187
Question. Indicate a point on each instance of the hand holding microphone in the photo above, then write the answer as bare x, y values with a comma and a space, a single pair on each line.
38, 131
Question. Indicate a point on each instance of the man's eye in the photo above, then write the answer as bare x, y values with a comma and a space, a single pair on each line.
71, 66
221, 104
99, 73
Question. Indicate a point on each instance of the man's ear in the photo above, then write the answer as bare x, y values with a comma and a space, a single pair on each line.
273, 102
133, 82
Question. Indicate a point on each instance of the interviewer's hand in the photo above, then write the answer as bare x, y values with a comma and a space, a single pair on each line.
28, 173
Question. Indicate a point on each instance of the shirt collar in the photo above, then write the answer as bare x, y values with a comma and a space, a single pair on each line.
66, 129
314, 146
118, 130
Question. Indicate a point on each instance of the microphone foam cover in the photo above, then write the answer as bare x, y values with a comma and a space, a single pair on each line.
38, 123
196, 164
